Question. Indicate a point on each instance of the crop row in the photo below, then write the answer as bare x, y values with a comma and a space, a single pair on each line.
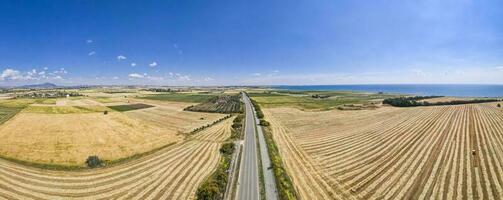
451, 152
171, 173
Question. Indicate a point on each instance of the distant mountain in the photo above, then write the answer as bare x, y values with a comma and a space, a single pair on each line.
40, 86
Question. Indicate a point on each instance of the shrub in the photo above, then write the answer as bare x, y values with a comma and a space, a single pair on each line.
264, 123
208, 191
105, 112
227, 148
93, 161
499, 105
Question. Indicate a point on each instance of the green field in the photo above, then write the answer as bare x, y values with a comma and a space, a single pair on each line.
219, 104
124, 108
180, 97
305, 100
6, 113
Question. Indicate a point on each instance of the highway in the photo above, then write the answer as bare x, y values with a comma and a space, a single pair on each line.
248, 182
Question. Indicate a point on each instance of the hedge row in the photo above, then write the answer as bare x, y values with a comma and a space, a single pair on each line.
209, 125
213, 188
414, 101
286, 191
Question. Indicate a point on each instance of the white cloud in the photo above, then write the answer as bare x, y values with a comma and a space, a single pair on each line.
136, 75
121, 57
499, 68
133, 64
91, 53
257, 74
60, 71
10, 74
115, 78
46, 68
208, 79
153, 64
88, 41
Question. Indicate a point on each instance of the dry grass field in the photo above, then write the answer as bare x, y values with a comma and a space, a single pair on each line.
437, 152
70, 130
172, 173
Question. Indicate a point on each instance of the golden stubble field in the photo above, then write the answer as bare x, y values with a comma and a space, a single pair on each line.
171, 173
441, 152
68, 131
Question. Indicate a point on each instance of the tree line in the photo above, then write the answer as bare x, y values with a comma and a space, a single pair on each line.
415, 101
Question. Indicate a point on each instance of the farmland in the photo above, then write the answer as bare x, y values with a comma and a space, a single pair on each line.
65, 132
181, 97
307, 100
436, 152
219, 104
6, 113
129, 107
171, 173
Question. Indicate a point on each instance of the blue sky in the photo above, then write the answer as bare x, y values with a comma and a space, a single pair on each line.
251, 42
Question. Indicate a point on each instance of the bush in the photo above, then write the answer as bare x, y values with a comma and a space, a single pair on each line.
227, 148
499, 105
264, 123
93, 161
214, 186
208, 191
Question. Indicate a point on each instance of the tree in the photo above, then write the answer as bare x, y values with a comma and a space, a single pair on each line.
93, 161
208, 191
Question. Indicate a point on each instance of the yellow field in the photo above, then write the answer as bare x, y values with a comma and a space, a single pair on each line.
172, 173
393, 153
69, 131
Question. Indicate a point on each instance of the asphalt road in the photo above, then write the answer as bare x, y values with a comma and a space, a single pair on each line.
248, 188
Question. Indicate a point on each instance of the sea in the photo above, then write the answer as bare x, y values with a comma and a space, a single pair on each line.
455, 90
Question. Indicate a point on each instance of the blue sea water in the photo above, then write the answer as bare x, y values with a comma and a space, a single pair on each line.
458, 90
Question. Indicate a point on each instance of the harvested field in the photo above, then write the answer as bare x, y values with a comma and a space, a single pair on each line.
70, 135
393, 153
171, 173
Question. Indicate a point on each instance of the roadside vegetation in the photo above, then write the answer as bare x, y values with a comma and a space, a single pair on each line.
286, 190
315, 100
214, 187
416, 101
219, 104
